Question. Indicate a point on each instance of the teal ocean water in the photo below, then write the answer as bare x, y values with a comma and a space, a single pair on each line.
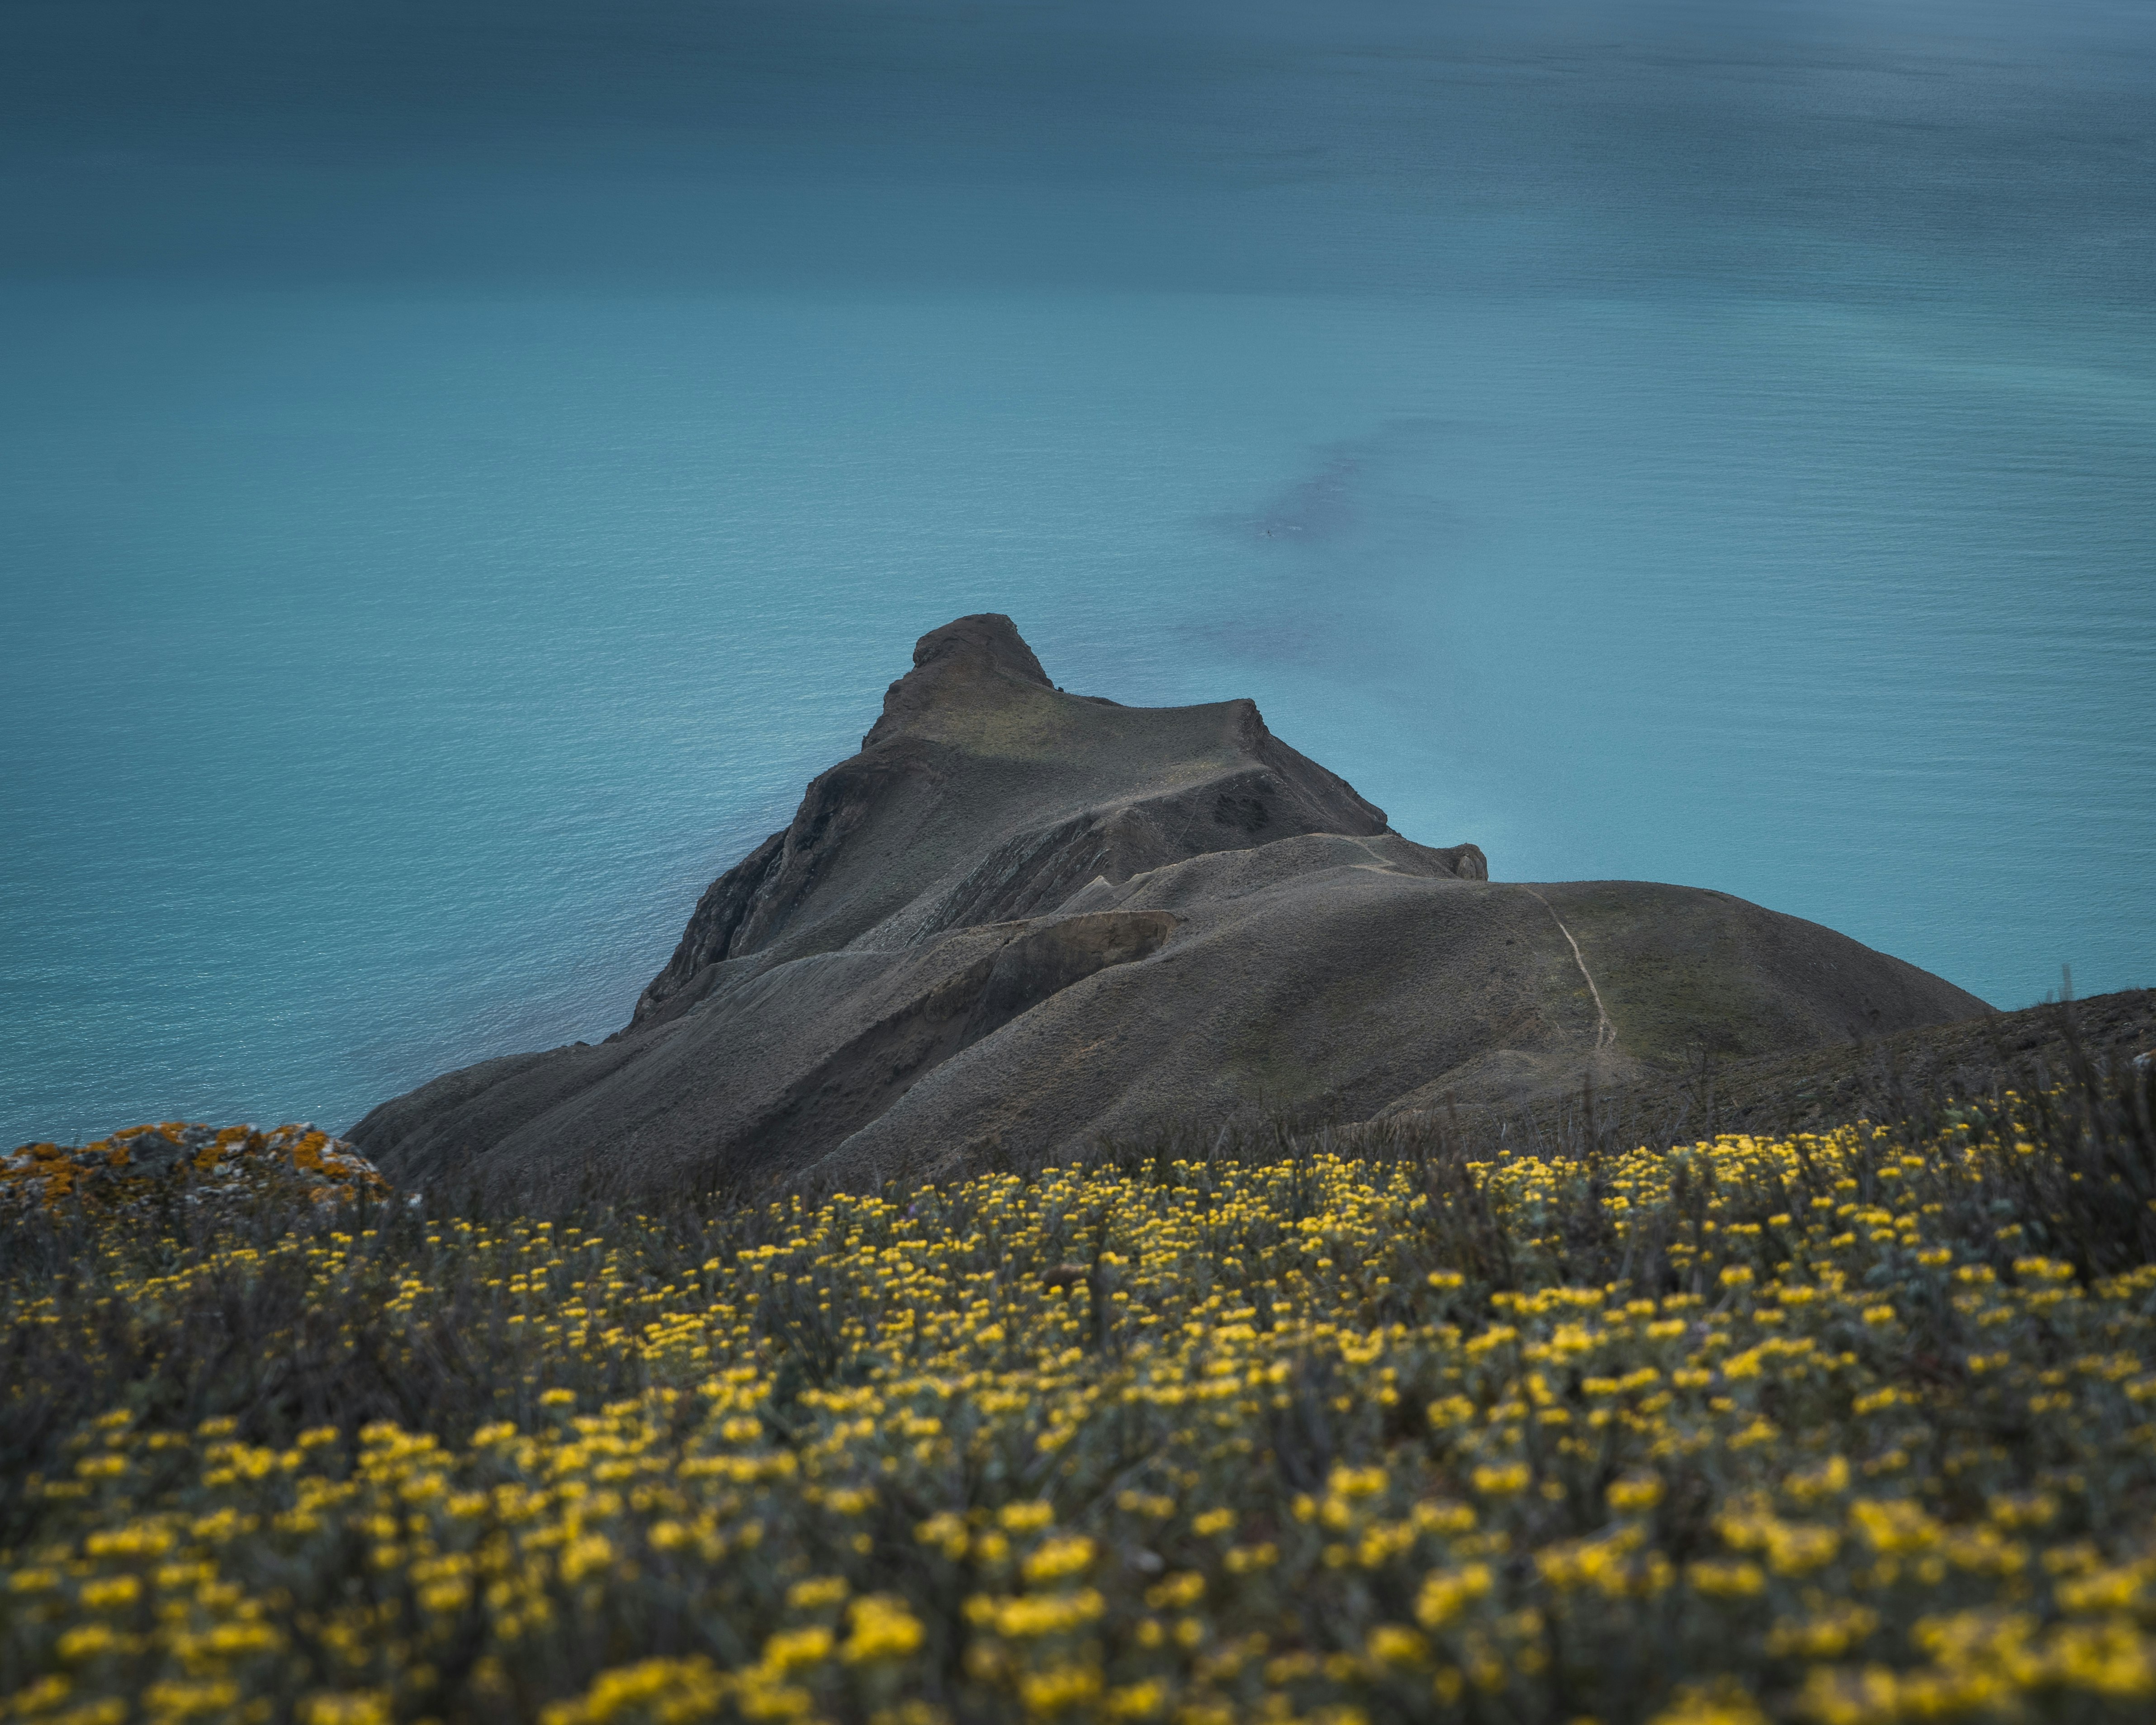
464, 468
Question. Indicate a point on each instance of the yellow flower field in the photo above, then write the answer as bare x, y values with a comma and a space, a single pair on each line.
1852, 1429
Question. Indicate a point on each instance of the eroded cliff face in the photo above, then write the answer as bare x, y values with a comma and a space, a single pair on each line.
1020, 919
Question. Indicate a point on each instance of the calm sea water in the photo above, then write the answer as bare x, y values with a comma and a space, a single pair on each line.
464, 468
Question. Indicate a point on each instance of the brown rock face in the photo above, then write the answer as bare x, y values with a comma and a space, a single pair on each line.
1027, 919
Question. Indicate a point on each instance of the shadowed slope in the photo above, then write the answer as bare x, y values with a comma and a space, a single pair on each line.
1019, 919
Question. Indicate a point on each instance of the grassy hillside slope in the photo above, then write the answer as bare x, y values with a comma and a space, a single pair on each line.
1843, 1426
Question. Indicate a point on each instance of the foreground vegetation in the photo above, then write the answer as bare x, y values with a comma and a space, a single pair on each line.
1850, 1428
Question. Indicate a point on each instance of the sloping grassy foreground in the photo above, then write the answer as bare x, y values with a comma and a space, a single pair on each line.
1848, 1429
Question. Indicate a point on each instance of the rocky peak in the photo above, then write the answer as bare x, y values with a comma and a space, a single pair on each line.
962, 660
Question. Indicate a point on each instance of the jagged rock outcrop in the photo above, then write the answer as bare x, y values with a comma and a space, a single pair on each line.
186, 1162
1020, 919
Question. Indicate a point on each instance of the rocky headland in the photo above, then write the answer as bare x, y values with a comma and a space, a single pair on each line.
1021, 921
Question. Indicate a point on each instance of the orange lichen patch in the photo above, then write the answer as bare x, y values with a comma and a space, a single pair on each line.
199, 1161
47, 1169
308, 1152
